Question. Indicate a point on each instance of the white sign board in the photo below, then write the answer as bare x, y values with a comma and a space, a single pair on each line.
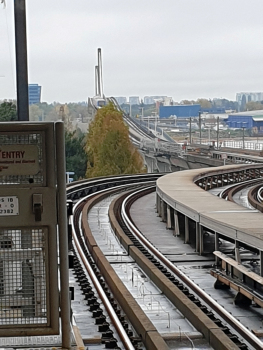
9, 206
19, 160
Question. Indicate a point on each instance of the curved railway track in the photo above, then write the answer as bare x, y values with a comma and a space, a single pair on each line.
134, 329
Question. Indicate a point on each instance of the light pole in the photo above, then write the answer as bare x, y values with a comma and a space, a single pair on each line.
243, 137
200, 127
21, 60
217, 133
190, 131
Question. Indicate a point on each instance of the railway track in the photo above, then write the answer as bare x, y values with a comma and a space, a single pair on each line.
133, 321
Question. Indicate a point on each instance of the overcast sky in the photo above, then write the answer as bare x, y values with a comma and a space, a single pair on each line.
186, 49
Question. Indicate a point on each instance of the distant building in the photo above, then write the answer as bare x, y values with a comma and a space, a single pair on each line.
248, 120
180, 111
243, 98
149, 100
121, 100
34, 94
134, 100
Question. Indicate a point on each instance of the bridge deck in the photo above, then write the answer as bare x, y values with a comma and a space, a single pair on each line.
227, 218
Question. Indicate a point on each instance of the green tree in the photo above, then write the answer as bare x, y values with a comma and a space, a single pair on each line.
109, 149
76, 157
8, 111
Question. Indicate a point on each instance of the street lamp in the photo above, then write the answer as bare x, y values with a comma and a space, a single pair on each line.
200, 127
243, 137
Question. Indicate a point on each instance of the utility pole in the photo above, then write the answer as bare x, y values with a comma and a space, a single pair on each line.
243, 137
200, 127
217, 133
190, 131
21, 60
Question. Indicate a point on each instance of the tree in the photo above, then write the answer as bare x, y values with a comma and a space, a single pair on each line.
34, 112
76, 157
187, 102
109, 149
8, 111
253, 106
204, 103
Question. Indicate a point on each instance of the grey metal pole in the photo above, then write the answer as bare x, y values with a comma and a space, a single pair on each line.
21, 60
217, 133
63, 237
243, 137
190, 130
200, 127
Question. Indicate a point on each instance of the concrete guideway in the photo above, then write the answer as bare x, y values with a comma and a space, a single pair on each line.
178, 193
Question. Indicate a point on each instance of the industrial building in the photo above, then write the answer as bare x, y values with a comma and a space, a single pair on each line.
179, 111
34, 94
248, 120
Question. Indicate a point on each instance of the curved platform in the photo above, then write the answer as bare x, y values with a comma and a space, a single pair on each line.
181, 193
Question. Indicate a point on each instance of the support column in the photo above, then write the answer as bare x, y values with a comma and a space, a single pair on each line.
164, 211
158, 204
237, 253
201, 233
216, 246
169, 221
186, 230
261, 262
176, 224
197, 237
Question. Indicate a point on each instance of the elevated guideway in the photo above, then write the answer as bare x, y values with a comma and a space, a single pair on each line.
191, 211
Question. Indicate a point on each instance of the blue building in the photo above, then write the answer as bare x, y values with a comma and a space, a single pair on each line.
248, 120
180, 111
34, 94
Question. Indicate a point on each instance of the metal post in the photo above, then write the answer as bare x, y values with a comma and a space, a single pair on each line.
190, 131
63, 238
200, 127
21, 60
243, 137
217, 133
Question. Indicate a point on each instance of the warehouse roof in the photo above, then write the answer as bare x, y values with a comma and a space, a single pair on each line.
258, 113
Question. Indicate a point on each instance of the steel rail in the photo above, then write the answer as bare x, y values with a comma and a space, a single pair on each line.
255, 197
114, 318
259, 196
233, 188
107, 182
242, 330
